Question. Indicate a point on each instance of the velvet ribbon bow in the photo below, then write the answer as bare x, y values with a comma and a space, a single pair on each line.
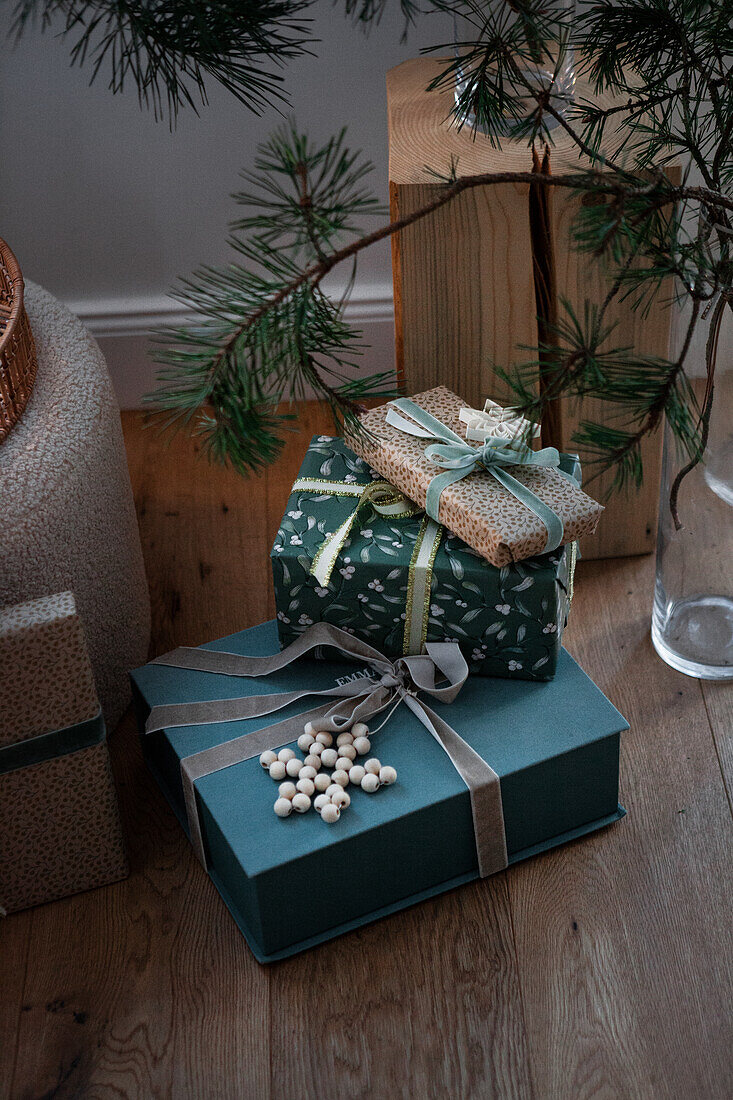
439, 673
459, 459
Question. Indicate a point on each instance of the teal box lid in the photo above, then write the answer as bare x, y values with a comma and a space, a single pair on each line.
508, 621
554, 745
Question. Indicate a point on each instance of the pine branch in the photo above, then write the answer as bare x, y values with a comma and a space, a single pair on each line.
711, 355
268, 335
269, 330
168, 49
316, 271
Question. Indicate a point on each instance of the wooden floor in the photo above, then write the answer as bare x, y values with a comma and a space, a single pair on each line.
602, 969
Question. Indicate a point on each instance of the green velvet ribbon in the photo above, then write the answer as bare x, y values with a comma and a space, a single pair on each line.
47, 746
459, 459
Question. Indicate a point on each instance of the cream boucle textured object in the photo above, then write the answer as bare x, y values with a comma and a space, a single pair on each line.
67, 518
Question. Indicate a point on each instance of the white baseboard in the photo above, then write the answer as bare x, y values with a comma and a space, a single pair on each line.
123, 327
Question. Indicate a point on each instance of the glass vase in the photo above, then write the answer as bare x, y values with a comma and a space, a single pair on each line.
692, 618
553, 72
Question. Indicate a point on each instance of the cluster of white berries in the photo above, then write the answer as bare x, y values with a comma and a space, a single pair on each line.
305, 784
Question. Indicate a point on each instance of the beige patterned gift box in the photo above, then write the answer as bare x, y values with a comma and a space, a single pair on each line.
477, 508
59, 822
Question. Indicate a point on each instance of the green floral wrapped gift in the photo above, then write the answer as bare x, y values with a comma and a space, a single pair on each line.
352, 551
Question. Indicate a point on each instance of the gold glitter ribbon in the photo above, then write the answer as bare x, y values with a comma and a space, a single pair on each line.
387, 501
384, 499
419, 581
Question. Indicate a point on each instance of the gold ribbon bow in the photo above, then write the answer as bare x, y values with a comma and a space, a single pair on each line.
384, 499
387, 501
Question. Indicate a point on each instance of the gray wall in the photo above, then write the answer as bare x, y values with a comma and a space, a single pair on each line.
106, 208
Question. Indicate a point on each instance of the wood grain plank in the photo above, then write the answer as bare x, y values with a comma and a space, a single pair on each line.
623, 939
458, 312
424, 1003
15, 938
719, 705
204, 539
629, 523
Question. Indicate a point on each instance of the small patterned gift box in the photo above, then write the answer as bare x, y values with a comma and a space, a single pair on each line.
396, 579
59, 828
505, 500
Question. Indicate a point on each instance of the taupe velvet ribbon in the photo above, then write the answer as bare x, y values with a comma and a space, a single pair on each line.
359, 700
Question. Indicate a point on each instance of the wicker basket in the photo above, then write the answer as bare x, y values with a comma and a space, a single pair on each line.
18, 361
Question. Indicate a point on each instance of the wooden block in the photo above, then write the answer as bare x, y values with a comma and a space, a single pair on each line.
464, 285
456, 311
629, 524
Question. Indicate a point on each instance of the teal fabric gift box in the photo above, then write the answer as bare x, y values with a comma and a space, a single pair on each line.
508, 621
554, 746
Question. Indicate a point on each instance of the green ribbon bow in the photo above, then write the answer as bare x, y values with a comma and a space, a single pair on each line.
459, 459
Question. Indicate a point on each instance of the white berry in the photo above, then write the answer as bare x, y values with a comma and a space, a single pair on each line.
286, 790
372, 765
341, 777
277, 770
333, 789
329, 757
341, 799
387, 776
348, 751
293, 767
267, 758
362, 745
307, 772
360, 729
306, 786
344, 764
344, 739
283, 807
370, 783
301, 803
310, 729
322, 782
330, 813
312, 761
325, 738
305, 741
356, 774
316, 748
321, 801
285, 755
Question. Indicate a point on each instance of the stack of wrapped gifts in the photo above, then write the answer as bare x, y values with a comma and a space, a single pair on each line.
410, 721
